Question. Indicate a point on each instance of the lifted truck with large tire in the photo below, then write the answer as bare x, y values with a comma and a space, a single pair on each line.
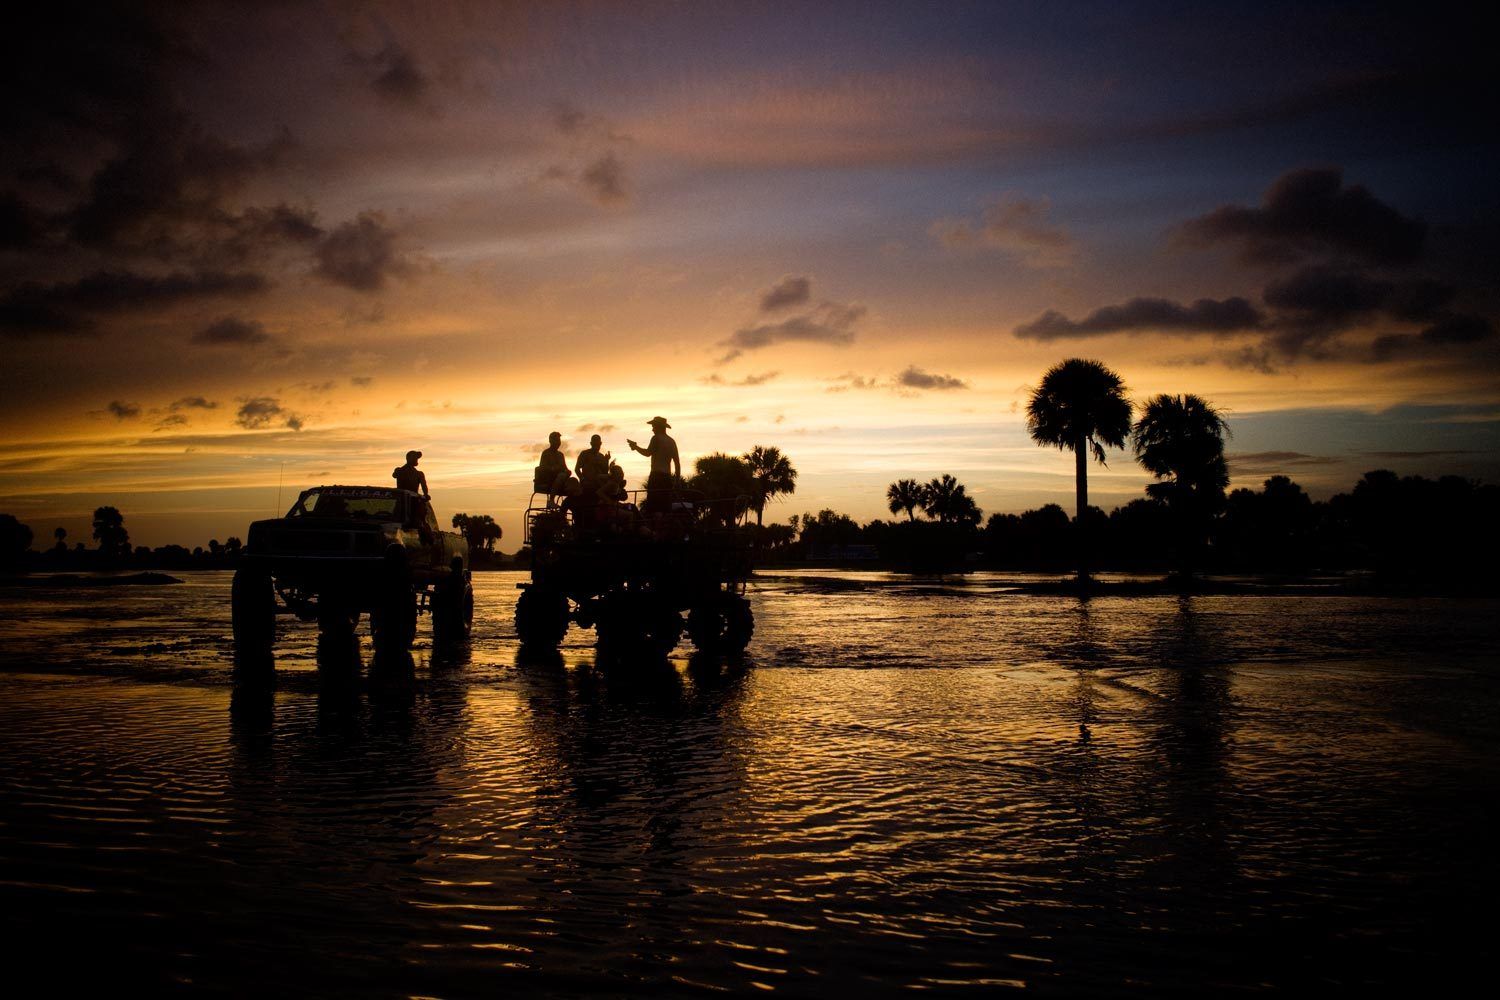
631, 570
345, 550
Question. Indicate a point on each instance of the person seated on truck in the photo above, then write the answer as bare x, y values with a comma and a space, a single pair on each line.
613, 486
666, 467
592, 464
409, 477
552, 465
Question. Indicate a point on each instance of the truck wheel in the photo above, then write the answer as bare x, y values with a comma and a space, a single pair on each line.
394, 621
252, 605
663, 630
722, 625
453, 606
705, 627
739, 624
541, 618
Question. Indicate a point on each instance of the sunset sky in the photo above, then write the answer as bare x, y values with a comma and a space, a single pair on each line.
250, 248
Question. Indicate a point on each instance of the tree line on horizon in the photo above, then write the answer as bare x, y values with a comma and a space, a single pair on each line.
1188, 519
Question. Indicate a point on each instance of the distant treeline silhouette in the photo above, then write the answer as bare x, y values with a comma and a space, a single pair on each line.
1402, 529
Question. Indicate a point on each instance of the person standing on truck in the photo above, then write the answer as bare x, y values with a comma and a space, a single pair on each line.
409, 477
666, 467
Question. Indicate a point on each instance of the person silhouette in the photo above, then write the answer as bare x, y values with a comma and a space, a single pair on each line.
552, 467
592, 464
409, 477
666, 467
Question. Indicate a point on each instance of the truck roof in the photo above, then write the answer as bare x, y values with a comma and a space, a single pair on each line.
364, 491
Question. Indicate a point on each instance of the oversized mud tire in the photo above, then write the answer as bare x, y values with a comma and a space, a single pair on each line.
453, 606
739, 624
541, 618
393, 621
252, 604
705, 627
721, 626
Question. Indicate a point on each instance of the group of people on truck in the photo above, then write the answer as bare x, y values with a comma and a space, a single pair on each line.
593, 491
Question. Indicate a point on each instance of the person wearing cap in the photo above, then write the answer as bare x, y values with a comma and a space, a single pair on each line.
666, 467
409, 477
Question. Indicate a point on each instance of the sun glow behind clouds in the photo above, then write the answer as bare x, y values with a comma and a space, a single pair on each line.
549, 219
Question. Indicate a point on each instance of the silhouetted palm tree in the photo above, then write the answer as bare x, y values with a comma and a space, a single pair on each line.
1180, 441
1080, 406
948, 502
772, 475
907, 495
110, 533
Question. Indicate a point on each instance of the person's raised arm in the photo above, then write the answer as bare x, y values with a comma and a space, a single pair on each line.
422, 478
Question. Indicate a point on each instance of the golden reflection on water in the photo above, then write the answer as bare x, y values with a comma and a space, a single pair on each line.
903, 785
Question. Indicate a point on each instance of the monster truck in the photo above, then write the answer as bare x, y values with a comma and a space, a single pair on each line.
343, 550
630, 571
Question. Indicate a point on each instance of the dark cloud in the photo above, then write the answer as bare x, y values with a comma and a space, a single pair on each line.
398, 78
361, 381
1441, 453
829, 323
1148, 315
1337, 294
606, 180
360, 254
264, 411
1458, 330
907, 383
1279, 458
174, 415
1257, 464
162, 189
915, 378
1446, 333
847, 381
594, 162
748, 380
33, 309
1015, 225
281, 223
789, 291
1311, 212
232, 331
569, 119
123, 411
21, 225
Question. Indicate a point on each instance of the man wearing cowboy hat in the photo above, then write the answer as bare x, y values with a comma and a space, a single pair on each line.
409, 477
666, 467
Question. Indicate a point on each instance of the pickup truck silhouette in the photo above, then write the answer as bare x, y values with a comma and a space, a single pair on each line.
345, 550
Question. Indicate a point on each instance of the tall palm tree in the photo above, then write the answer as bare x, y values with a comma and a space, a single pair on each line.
772, 475
907, 495
1080, 406
1180, 441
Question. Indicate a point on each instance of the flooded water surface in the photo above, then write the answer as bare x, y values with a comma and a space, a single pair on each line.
902, 786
